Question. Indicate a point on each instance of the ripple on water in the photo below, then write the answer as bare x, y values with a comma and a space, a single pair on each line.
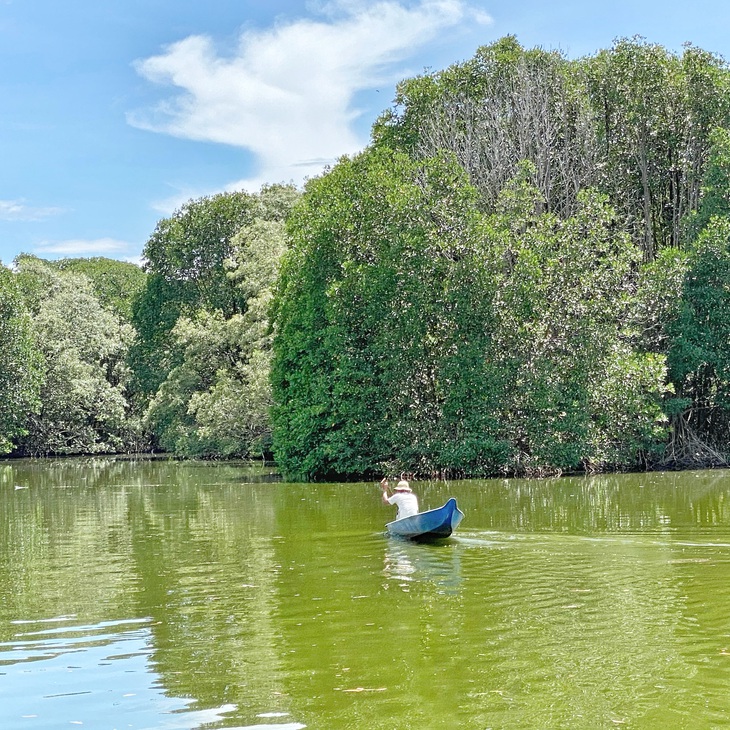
615, 626
56, 673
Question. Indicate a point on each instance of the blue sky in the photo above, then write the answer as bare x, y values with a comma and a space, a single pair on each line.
113, 113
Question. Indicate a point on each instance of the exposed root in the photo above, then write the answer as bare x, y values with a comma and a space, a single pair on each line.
688, 450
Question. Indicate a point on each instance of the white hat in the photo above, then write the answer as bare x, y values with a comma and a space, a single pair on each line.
403, 486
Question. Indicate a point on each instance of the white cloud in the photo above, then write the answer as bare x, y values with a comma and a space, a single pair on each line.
286, 94
18, 210
167, 206
84, 247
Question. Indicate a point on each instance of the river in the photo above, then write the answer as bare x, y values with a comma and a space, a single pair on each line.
166, 595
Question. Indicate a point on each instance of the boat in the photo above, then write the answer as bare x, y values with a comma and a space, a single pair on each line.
433, 524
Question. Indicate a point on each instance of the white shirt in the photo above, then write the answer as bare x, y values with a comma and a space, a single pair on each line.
407, 504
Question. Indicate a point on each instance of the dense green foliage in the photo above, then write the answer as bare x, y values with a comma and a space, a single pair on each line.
116, 283
184, 262
83, 348
699, 355
19, 363
186, 265
375, 283
634, 121
496, 283
214, 395
101, 356
416, 333
527, 271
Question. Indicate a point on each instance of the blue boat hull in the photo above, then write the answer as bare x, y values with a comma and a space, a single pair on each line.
434, 524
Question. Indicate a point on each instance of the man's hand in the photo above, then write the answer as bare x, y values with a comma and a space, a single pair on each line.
384, 493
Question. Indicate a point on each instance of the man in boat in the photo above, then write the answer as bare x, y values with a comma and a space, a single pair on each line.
402, 497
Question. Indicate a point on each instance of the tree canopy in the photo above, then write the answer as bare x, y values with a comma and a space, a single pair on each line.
634, 121
215, 398
185, 260
416, 333
525, 272
83, 347
19, 363
116, 284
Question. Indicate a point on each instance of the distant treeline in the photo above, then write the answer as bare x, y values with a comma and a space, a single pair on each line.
527, 271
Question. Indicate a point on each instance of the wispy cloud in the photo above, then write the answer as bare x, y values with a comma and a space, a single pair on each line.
19, 210
287, 92
84, 247
167, 206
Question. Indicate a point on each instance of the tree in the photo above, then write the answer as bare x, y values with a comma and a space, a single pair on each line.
652, 140
416, 333
236, 409
185, 262
84, 346
503, 106
19, 363
117, 284
563, 305
215, 401
715, 190
633, 121
380, 322
699, 353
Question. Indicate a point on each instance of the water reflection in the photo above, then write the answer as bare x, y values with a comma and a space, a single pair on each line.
169, 595
62, 673
161, 542
604, 503
406, 562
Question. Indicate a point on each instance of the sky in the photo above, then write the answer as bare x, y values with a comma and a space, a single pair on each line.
114, 113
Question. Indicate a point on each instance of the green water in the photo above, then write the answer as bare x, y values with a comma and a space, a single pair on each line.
173, 596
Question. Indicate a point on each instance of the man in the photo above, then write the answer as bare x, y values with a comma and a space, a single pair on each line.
402, 497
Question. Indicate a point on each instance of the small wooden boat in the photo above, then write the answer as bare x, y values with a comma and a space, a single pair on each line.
434, 524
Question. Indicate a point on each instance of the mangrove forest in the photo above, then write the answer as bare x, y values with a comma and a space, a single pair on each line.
526, 271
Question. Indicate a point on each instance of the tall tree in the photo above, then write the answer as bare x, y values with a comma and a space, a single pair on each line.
633, 121
577, 393
699, 351
655, 112
416, 333
185, 262
84, 347
382, 320
503, 106
215, 401
19, 363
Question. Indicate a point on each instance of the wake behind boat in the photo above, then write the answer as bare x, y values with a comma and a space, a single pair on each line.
433, 524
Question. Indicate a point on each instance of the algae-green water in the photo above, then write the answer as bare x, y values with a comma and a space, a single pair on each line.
171, 595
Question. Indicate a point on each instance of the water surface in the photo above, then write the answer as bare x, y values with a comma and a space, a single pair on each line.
138, 594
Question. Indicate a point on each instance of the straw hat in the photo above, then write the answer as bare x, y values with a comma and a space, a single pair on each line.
403, 486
